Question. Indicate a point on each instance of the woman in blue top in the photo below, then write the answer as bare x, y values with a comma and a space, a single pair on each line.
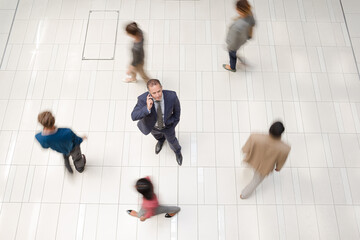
62, 140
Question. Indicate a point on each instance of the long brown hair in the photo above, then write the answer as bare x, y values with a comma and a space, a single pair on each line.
244, 6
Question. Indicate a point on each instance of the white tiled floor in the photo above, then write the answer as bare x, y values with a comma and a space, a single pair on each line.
301, 69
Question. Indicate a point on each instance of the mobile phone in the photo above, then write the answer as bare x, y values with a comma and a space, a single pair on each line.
150, 96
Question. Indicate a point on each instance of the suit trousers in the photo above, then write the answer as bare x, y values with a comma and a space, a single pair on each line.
169, 135
250, 188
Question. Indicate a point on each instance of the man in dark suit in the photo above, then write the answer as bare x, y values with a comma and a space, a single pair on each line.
158, 112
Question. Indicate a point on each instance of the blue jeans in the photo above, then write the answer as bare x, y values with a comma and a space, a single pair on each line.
232, 55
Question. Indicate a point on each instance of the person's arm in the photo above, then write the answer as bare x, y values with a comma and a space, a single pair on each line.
42, 143
176, 111
251, 28
246, 147
231, 38
281, 162
251, 32
141, 109
76, 139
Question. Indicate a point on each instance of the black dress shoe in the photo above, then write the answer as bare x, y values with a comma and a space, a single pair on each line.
179, 158
80, 167
158, 146
168, 215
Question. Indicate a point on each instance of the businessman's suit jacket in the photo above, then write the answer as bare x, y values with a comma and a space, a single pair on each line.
148, 120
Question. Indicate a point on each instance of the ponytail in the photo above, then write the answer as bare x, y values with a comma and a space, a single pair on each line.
132, 28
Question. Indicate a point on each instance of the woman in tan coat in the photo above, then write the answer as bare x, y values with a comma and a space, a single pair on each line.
264, 152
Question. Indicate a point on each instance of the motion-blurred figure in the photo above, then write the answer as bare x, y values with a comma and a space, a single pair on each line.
239, 32
264, 152
150, 205
62, 140
137, 64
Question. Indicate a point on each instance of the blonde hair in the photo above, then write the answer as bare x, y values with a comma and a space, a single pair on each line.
46, 119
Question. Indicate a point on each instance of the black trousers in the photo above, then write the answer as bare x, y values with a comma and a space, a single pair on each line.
169, 135
78, 158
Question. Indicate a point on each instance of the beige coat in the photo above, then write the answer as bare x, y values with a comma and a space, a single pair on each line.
264, 153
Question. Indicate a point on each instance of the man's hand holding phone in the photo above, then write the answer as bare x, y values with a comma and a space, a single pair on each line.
149, 102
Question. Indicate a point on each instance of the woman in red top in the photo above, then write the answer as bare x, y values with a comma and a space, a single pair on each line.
150, 205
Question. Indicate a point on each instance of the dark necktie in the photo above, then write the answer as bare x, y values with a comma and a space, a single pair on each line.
160, 121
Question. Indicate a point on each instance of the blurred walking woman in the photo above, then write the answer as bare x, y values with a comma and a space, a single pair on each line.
137, 64
239, 32
150, 205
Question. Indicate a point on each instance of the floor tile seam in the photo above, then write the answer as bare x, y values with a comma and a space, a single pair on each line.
9, 33
45, 174
282, 102
90, 91
123, 146
91, 110
309, 171
336, 217
355, 61
122, 157
46, 171
283, 110
17, 132
331, 188
179, 93
350, 39
104, 151
187, 204
204, 132
64, 171
72, 122
187, 100
159, 166
216, 177
170, 71
23, 195
328, 178
9, 99
181, 44
283, 113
